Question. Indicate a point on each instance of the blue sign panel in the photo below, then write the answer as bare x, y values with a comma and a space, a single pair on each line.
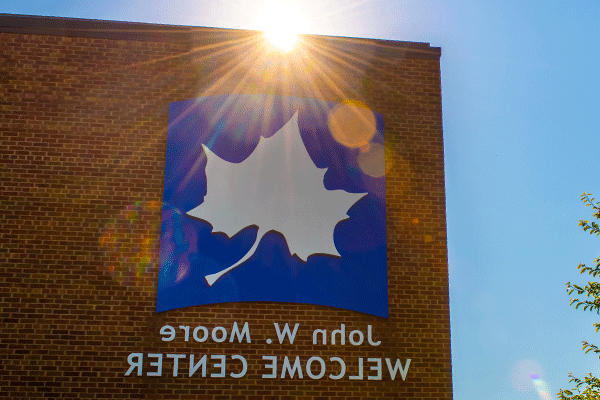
274, 198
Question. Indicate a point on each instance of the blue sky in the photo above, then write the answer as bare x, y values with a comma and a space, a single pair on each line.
521, 104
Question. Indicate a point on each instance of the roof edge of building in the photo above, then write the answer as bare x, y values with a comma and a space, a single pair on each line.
139, 31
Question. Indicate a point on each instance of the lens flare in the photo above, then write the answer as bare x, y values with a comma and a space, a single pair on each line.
352, 124
371, 160
281, 23
281, 38
178, 246
541, 387
130, 245
526, 376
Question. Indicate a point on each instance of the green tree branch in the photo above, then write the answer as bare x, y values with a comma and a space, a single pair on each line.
589, 387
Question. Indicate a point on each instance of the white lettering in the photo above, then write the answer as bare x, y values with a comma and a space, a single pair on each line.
397, 366
370, 337
223, 334
308, 369
218, 334
291, 370
186, 329
167, 330
323, 333
342, 332
342, 368
194, 367
360, 369
272, 366
361, 337
158, 364
138, 364
175, 358
286, 332
219, 365
235, 331
203, 329
244, 366
376, 368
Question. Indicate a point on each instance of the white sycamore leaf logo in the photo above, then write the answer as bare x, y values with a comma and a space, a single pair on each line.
276, 188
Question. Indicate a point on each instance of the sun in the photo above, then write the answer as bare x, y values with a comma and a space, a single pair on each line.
281, 22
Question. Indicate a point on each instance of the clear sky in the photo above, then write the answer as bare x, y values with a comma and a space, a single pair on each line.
521, 104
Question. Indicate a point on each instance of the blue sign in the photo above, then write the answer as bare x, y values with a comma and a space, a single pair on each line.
274, 198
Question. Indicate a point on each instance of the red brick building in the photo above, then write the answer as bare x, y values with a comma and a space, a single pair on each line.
83, 124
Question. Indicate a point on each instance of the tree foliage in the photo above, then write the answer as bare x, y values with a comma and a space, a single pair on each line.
588, 298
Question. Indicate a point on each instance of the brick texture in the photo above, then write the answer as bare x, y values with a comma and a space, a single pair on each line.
83, 127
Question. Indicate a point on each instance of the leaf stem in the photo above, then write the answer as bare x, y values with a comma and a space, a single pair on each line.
212, 278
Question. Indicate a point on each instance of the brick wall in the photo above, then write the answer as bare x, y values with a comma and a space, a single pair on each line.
83, 126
